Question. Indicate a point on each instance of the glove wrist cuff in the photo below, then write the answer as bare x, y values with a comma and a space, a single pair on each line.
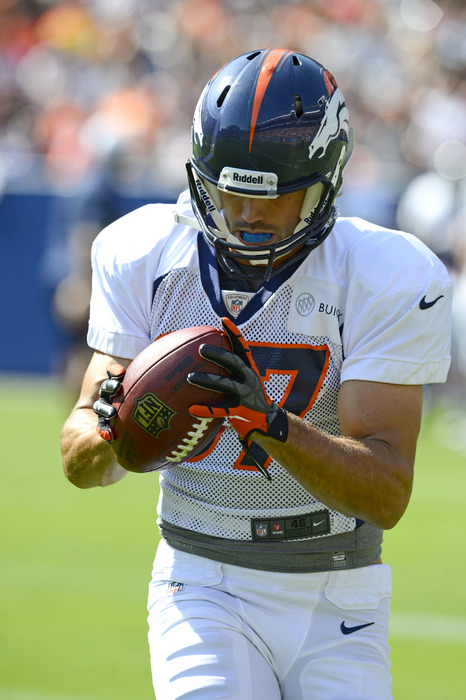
278, 427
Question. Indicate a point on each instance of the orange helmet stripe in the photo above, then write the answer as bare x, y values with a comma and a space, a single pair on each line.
271, 60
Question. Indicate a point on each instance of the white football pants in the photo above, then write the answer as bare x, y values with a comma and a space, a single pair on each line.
220, 631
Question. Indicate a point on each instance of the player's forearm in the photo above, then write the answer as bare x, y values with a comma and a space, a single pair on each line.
87, 459
361, 478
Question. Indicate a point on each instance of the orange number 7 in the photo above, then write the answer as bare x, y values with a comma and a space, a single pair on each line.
304, 365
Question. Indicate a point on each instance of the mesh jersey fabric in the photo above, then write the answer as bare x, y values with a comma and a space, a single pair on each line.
350, 310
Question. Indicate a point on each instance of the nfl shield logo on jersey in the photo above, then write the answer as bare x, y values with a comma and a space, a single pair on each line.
260, 530
236, 301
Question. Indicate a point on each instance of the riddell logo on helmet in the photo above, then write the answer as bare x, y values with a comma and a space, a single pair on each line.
250, 179
253, 182
204, 196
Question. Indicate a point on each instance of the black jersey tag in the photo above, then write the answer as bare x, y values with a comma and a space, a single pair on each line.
295, 528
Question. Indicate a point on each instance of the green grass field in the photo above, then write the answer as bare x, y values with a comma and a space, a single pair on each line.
75, 566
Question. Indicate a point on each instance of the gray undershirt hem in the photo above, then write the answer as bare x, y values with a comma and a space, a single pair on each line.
349, 550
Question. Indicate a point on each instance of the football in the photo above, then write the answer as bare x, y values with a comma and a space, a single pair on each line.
153, 428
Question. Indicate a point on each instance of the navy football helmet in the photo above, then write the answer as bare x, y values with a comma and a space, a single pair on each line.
268, 123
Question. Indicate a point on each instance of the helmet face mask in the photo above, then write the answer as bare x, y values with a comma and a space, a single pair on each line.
267, 124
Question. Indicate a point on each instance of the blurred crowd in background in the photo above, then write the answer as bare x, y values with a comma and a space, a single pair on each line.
97, 98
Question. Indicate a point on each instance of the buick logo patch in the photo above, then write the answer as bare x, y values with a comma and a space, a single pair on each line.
305, 304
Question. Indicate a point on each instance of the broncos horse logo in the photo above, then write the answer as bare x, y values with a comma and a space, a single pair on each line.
336, 120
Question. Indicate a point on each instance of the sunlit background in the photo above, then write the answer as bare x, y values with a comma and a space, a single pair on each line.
96, 102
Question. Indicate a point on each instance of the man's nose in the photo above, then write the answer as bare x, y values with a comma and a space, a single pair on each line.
252, 209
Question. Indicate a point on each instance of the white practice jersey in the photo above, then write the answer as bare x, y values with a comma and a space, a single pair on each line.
367, 304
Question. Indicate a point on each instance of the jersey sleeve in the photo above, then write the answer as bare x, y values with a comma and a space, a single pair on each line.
398, 317
124, 264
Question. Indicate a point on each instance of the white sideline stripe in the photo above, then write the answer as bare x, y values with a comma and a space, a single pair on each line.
440, 628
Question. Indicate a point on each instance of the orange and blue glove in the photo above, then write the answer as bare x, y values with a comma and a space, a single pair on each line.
247, 405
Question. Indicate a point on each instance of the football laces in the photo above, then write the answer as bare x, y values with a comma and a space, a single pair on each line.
190, 442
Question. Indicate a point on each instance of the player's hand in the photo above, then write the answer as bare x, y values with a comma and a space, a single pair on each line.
103, 406
247, 405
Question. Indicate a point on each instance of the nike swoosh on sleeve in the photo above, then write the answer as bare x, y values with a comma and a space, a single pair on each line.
355, 628
424, 304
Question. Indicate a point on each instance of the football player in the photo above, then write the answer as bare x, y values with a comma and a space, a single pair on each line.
271, 587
